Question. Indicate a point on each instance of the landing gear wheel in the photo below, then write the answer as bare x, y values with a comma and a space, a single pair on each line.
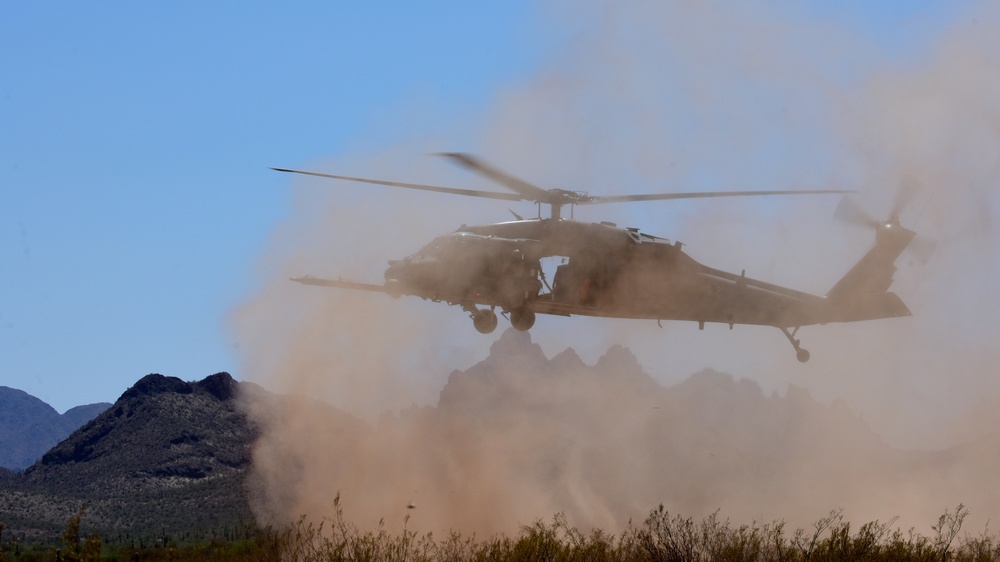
522, 320
800, 353
485, 321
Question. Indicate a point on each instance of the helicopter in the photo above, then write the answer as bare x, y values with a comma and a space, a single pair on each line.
615, 272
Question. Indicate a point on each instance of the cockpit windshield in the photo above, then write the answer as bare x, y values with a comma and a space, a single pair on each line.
439, 247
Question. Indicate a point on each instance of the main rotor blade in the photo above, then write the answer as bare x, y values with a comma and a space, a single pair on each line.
703, 194
922, 248
439, 189
529, 191
848, 211
908, 190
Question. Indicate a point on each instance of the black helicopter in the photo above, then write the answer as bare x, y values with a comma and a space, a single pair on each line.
608, 271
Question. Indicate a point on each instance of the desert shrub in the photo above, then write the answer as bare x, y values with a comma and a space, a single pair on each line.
78, 549
662, 536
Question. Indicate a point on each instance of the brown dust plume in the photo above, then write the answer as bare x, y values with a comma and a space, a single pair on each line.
648, 96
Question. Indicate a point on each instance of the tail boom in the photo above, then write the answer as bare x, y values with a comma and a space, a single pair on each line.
862, 294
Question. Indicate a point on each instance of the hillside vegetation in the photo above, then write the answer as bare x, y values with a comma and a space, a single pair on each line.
168, 457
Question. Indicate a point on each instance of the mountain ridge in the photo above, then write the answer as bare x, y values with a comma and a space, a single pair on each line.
29, 427
169, 455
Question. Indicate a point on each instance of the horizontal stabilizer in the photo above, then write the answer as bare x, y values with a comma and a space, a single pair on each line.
870, 307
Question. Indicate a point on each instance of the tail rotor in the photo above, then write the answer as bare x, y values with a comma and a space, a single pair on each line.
850, 212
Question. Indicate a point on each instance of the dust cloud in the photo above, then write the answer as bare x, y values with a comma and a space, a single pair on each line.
645, 97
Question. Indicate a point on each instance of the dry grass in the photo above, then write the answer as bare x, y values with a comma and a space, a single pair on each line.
661, 537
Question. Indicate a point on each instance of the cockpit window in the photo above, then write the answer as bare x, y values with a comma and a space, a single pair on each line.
440, 247
433, 250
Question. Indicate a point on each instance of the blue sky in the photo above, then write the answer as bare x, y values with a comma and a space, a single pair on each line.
135, 145
135, 139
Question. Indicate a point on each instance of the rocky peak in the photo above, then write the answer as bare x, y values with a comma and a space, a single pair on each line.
156, 383
514, 343
221, 385
619, 360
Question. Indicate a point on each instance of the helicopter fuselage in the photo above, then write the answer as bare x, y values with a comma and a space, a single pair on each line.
605, 271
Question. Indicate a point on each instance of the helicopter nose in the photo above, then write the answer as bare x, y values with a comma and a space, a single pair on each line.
395, 270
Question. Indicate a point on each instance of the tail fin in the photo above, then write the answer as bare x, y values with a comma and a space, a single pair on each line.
863, 291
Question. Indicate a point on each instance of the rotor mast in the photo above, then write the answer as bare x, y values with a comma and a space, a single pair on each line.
554, 198
555, 211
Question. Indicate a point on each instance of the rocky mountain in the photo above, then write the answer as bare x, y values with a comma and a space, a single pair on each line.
516, 437
168, 455
29, 426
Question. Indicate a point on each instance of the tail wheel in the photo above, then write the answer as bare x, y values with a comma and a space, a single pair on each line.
522, 319
485, 321
800, 352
